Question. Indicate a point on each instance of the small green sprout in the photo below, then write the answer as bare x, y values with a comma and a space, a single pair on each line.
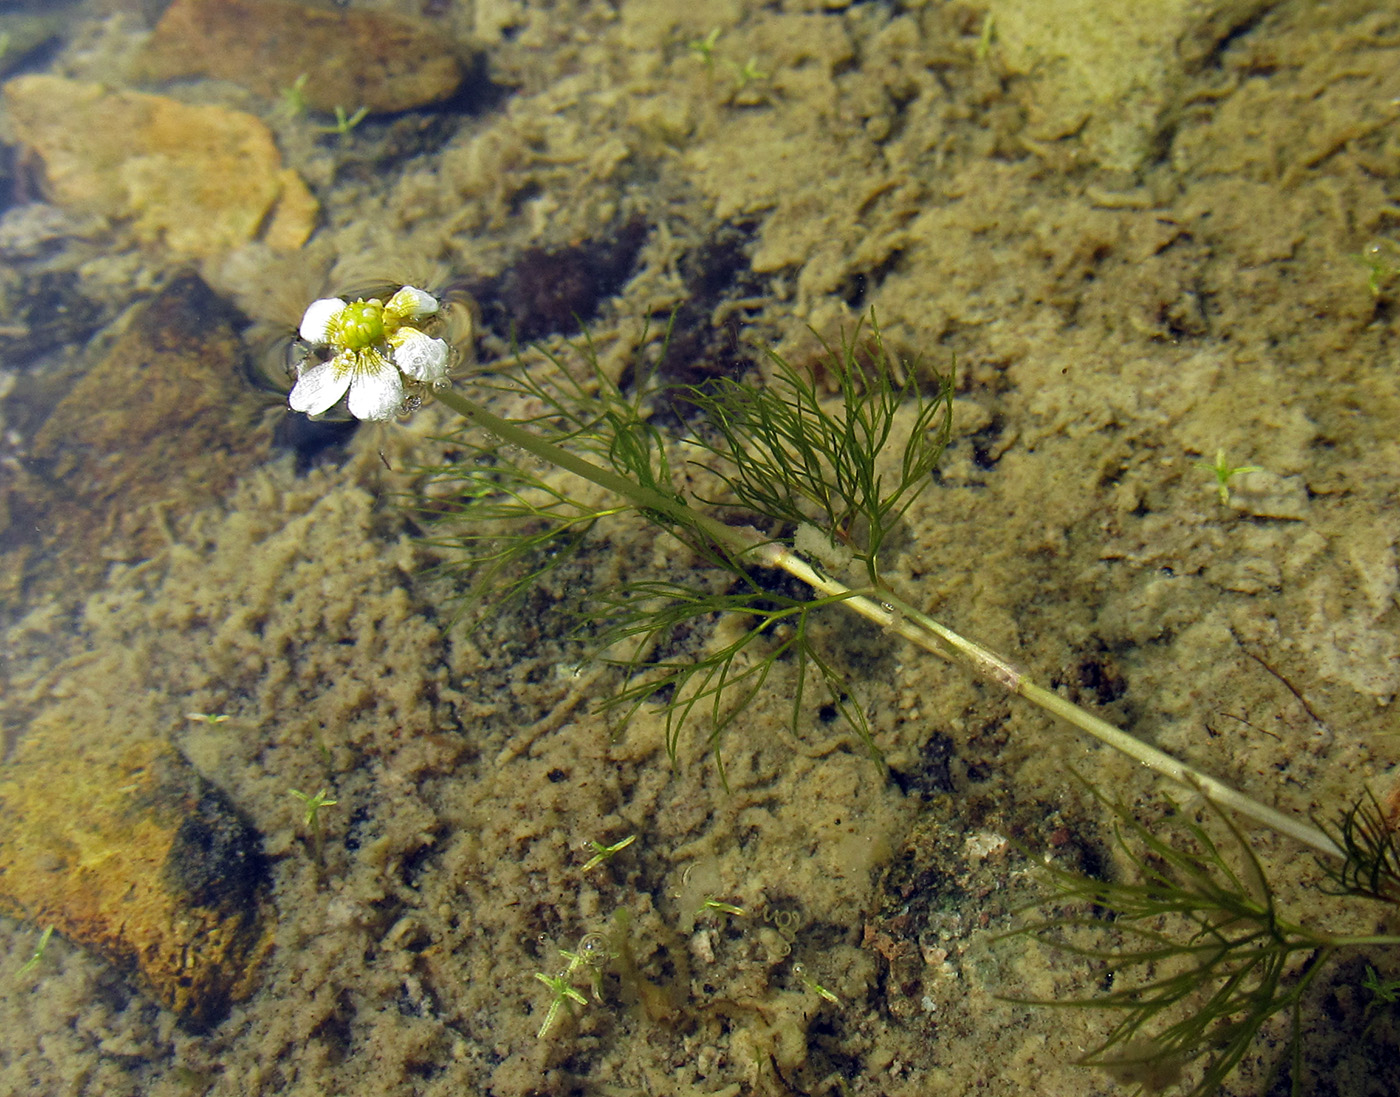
209, 718
312, 820
603, 853
33, 962
800, 970
704, 48
1381, 257
313, 805
744, 75
984, 40
1384, 992
563, 991
293, 103
1224, 473
747, 73
722, 908
592, 954
345, 123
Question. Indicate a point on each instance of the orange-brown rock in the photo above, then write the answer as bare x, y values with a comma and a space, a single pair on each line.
201, 180
120, 846
351, 59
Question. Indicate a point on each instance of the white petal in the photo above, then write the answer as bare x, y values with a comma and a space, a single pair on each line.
411, 303
376, 393
315, 324
420, 356
319, 387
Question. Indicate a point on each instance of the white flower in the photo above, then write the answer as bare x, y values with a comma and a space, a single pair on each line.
373, 349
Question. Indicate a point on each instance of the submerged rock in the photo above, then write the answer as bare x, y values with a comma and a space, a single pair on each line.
351, 59
1109, 70
202, 180
120, 846
165, 420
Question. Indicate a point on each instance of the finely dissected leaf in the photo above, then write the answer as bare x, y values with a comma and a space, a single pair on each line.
1372, 864
1202, 960
507, 517
851, 464
787, 453
505, 528
722, 681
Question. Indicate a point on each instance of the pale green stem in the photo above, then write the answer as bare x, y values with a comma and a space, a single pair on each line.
1361, 942
897, 616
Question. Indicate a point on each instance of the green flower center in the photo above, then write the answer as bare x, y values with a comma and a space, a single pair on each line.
360, 325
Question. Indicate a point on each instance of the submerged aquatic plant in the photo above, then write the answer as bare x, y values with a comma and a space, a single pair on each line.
812, 486
1201, 957
788, 458
1224, 473
39, 950
792, 461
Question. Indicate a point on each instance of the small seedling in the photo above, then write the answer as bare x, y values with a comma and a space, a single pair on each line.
744, 75
747, 73
563, 991
800, 970
591, 955
1381, 258
1224, 473
603, 853
1384, 992
312, 817
722, 908
313, 805
210, 718
33, 962
312, 821
293, 103
345, 123
704, 48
